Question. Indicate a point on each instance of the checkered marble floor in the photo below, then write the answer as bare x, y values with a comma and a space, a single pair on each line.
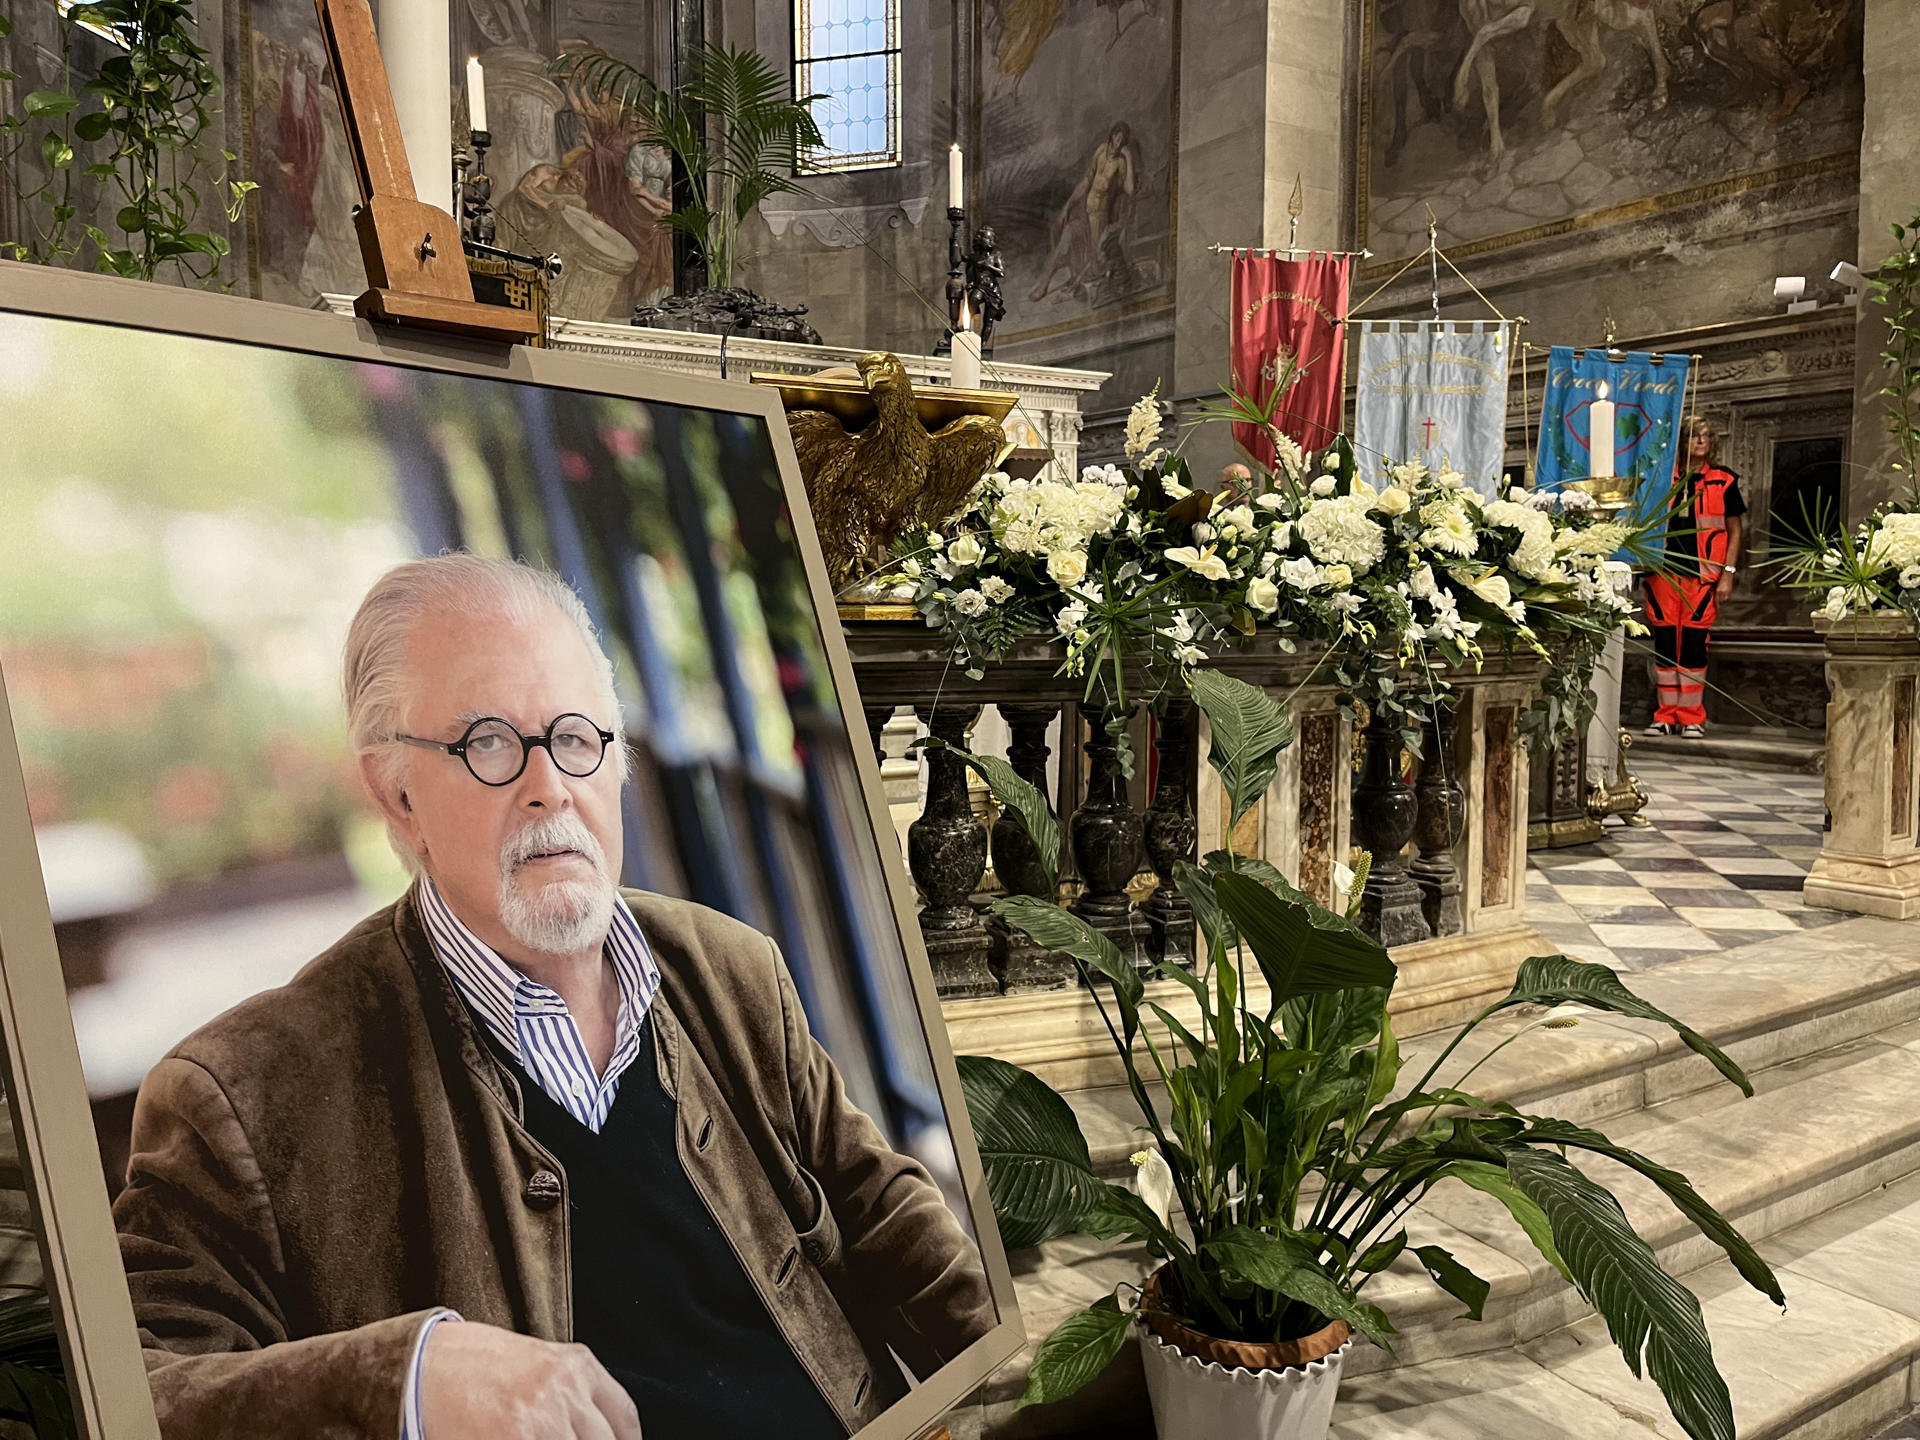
1721, 866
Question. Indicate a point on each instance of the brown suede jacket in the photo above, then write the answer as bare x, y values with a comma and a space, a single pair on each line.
319, 1167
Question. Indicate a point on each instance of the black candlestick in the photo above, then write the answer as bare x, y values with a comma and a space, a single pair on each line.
475, 188
956, 276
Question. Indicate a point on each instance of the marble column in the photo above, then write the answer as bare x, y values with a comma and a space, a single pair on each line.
1107, 835
1171, 832
1021, 965
947, 852
1889, 191
1262, 101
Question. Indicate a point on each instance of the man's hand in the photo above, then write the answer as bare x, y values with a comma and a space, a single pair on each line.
1723, 587
479, 1382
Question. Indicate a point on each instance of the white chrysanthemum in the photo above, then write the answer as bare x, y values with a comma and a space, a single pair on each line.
1534, 557
996, 589
970, 602
1143, 424
1338, 529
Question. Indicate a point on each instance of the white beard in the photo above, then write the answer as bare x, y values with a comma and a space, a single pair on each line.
561, 917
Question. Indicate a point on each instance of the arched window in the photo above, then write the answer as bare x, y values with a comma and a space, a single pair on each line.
848, 53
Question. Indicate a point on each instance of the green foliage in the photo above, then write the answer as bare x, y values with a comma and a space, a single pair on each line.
1291, 1169
144, 119
1248, 732
1895, 286
731, 124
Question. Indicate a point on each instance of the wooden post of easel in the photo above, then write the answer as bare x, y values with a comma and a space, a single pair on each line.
416, 268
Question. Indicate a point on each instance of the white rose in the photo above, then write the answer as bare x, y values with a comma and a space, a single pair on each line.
1239, 519
1067, 567
1338, 576
1393, 501
1330, 461
1272, 500
966, 551
1203, 532
1420, 584
1493, 589
934, 540
1263, 596
1323, 486
970, 602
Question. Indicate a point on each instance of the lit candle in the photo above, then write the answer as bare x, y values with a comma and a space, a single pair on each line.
476, 94
956, 182
1600, 436
966, 353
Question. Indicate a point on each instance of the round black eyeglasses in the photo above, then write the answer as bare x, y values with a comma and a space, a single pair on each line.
496, 754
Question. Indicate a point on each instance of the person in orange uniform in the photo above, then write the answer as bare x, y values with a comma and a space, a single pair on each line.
1705, 532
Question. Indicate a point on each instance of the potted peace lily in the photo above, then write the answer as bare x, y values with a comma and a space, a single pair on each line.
1279, 1170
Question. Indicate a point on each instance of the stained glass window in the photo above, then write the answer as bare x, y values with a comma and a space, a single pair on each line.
848, 52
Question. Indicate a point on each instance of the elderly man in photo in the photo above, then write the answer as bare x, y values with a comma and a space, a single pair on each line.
524, 1155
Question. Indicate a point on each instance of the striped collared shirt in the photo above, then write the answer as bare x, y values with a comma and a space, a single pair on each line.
532, 1021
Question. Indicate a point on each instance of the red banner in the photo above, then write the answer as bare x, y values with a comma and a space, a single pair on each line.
1287, 312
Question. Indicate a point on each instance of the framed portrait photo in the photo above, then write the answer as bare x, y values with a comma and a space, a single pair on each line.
455, 960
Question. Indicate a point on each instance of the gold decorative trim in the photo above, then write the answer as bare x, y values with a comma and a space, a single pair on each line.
893, 610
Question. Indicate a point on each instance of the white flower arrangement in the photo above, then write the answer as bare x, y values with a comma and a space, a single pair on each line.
1136, 562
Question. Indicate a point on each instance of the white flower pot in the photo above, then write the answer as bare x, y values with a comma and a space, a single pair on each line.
1195, 1399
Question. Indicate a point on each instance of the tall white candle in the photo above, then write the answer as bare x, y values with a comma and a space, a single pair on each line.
966, 354
956, 180
1600, 436
476, 94
417, 44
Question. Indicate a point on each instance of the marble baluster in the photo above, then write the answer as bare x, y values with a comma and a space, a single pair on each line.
1022, 965
947, 853
1440, 821
1171, 833
1107, 835
1384, 810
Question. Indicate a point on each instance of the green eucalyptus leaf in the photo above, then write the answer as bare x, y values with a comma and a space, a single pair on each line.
1248, 729
1559, 980
1076, 1352
1653, 1318
1039, 1171
1454, 1278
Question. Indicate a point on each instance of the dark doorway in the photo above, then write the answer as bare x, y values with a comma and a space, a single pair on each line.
1806, 485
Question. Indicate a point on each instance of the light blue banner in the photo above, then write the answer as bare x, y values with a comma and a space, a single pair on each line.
1648, 392
1433, 390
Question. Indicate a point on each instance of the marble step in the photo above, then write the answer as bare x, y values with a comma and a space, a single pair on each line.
1839, 1363
1766, 1004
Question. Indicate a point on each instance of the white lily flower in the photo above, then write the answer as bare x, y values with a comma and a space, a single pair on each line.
1153, 1182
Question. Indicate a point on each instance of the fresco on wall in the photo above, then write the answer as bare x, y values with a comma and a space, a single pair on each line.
570, 176
1075, 138
1514, 118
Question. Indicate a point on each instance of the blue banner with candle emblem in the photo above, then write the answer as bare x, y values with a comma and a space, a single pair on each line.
1647, 393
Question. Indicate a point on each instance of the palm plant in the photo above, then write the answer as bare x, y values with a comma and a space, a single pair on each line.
731, 124
1292, 1167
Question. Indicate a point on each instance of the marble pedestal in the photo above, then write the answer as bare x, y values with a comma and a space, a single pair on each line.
1869, 860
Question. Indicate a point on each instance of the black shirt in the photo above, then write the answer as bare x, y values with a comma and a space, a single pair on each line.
658, 1294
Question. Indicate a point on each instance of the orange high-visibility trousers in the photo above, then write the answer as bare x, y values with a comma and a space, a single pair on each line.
1679, 612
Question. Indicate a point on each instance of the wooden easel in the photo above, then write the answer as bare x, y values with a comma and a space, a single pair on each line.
416, 268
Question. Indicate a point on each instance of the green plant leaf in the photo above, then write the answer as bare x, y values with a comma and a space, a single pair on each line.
92, 127
1054, 928
1288, 1266
1652, 1317
1039, 1172
1558, 979
1080, 1347
1454, 1278
45, 104
1382, 1254
1676, 1187
1299, 951
1021, 798
1493, 1180
1248, 729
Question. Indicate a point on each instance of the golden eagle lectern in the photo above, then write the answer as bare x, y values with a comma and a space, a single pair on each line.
871, 485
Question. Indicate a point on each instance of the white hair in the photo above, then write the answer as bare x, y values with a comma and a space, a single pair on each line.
375, 673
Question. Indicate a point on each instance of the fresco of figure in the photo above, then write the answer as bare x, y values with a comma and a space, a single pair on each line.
1089, 230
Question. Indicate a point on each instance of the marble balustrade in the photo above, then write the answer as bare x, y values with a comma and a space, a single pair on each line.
1448, 832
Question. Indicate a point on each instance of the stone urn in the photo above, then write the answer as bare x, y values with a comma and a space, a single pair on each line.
1203, 1388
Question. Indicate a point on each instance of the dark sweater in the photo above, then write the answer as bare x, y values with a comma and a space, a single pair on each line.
658, 1294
